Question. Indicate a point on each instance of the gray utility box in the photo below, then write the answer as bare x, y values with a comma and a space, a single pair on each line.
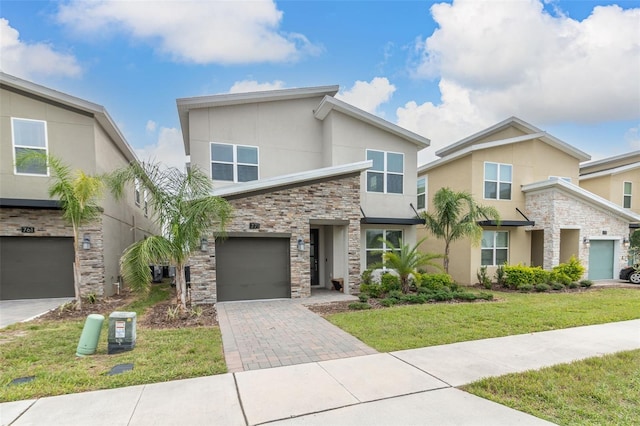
122, 332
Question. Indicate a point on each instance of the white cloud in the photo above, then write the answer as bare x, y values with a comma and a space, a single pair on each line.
27, 60
368, 96
202, 32
169, 150
245, 86
498, 59
151, 126
632, 138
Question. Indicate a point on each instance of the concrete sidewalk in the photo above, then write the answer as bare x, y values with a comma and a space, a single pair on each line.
14, 311
405, 387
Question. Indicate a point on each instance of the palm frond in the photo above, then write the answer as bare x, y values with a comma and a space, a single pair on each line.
136, 259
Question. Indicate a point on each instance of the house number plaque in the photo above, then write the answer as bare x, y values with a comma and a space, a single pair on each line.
28, 229
254, 225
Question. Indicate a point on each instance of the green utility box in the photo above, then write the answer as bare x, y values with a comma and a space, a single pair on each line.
90, 335
122, 332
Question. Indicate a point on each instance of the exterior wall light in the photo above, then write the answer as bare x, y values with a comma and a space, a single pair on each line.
625, 242
204, 244
586, 242
301, 246
86, 242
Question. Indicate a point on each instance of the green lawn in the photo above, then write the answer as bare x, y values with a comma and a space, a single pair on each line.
414, 326
597, 391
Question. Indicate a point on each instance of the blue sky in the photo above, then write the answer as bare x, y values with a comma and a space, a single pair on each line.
444, 70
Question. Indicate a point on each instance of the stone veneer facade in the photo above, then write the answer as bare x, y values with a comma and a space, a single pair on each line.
289, 211
49, 223
553, 210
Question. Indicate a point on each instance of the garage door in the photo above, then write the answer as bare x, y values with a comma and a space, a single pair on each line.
601, 259
35, 267
252, 268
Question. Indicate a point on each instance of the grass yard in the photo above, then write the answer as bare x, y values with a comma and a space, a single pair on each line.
597, 391
414, 326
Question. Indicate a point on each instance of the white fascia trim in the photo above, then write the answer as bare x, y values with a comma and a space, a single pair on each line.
98, 111
583, 194
522, 125
293, 178
330, 103
608, 172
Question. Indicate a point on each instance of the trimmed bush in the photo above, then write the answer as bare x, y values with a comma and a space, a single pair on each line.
572, 269
525, 288
395, 294
388, 302
541, 287
465, 295
586, 283
573, 285
557, 286
484, 296
373, 290
363, 297
414, 298
359, 306
437, 281
389, 282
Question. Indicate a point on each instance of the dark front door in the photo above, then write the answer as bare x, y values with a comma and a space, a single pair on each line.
314, 256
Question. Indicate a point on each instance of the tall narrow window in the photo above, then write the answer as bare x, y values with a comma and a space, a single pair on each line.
136, 191
29, 136
234, 163
626, 195
376, 244
146, 203
497, 181
387, 173
422, 193
495, 248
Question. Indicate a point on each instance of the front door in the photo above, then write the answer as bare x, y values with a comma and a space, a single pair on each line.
314, 254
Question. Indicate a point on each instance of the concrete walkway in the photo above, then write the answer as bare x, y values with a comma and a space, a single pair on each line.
275, 333
13, 311
398, 388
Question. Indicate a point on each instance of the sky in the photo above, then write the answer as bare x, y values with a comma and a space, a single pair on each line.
444, 70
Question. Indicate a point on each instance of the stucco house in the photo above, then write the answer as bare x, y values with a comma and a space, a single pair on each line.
315, 183
531, 178
36, 244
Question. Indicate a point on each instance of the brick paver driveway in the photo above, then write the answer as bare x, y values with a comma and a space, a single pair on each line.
273, 333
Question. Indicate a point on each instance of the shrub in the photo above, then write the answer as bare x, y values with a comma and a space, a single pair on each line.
395, 294
388, 302
560, 277
359, 306
586, 283
465, 295
500, 278
366, 277
437, 281
573, 285
541, 287
525, 288
517, 275
484, 296
389, 282
572, 269
363, 297
557, 286
440, 295
91, 298
414, 298
483, 278
373, 290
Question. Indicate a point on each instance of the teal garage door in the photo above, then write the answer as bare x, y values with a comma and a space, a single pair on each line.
601, 260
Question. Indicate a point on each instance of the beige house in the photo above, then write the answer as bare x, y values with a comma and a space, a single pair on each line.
36, 245
531, 178
316, 183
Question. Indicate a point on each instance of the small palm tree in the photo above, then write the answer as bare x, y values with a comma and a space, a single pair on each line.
182, 206
78, 194
455, 216
406, 260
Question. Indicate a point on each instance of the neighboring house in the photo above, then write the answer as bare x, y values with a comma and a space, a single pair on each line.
532, 179
316, 184
36, 244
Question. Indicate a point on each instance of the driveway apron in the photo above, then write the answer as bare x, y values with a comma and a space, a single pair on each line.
274, 333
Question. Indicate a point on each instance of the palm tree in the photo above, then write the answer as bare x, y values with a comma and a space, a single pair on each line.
406, 260
78, 194
182, 206
455, 216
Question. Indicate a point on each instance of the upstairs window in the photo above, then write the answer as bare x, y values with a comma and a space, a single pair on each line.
497, 181
29, 136
495, 248
626, 195
422, 193
145, 197
136, 191
387, 173
376, 244
234, 163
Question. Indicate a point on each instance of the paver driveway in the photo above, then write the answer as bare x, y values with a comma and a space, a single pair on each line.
274, 333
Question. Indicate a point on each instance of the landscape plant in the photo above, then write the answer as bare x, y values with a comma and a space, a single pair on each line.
456, 216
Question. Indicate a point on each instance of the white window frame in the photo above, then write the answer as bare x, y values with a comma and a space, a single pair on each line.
16, 146
494, 246
626, 195
384, 247
385, 172
136, 191
145, 199
421, 194
498, 181
235, 163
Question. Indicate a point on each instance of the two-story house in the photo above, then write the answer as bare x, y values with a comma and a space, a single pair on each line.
36, 244
318, 187
531, 178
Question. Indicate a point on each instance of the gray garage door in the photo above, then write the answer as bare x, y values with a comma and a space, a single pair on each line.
252, 268
35, 267
601, 260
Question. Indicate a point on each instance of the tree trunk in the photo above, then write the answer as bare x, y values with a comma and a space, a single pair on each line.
445, 261
181, 287
76, 284
404, 283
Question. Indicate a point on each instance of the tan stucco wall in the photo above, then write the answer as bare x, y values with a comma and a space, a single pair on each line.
611, 187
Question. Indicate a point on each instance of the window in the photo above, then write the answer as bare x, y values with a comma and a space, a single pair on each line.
29, 136
376, 243
387, 173
146, 203
626, 195
422, 193
234, 163
495, 248
136, 194
497, 181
